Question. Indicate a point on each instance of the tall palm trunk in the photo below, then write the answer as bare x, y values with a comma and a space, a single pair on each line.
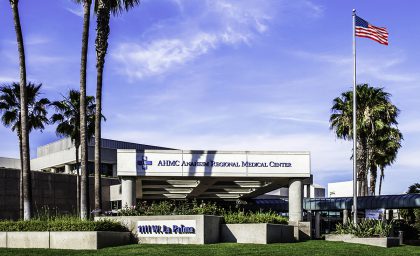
77, 180
20, 178
373, 177
102, 33
84, 188
26, 167
381, 178
361, 162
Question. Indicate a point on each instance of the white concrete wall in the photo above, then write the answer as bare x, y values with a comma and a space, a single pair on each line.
340, 189
68, 156
9, 163
59, 158
317, 191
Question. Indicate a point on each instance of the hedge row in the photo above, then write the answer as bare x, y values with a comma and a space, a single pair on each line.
195, 207
61, 224
254, 217
172, 208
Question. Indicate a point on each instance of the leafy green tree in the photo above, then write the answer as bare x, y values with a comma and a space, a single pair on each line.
103, 9
375, 113
67, 117
37, 117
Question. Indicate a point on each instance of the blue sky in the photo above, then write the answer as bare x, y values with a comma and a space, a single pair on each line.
227, 75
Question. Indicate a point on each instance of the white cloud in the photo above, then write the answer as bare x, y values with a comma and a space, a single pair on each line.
408, 158
384, 68
410, 126
235, 26
160, 55
296, 119
38, 59
8, 79
315, 10
323, 57
211, 25
33, 39
78, 11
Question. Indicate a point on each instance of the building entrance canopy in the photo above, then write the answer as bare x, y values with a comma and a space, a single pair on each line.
227, 175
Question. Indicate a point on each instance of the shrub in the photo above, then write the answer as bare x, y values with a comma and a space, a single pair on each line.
129, 211
172, 208
253, 217
161, 208
195, 207
410, 232
366, 228
206, 208
417, 216
61, 224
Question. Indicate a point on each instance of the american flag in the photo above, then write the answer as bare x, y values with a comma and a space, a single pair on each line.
364, 29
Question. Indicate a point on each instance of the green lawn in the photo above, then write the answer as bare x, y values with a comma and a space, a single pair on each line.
310, 248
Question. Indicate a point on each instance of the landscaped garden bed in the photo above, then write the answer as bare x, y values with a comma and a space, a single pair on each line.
62, 233
369, 232
255, 228
212, 223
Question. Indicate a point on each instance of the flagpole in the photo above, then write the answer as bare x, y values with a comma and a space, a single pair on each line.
354, 123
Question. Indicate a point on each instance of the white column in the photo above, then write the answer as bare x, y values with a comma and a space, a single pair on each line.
128, 191
67, 169
53, 170
295, 200
308, 191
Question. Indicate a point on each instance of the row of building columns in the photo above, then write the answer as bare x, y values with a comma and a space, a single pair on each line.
128, 196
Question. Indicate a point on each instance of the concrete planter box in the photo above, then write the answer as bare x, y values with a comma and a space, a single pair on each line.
88, 240
207, 228
76, 240
338, 237
257, 233
3, 239
27, 239
374, 241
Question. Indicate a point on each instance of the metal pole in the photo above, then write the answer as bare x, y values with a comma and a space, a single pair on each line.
354, 123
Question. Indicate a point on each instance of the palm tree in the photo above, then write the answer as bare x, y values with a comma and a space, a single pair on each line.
374, 113
84, 188
68, 119
26, 167
103, 9
389, 144
37, 118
